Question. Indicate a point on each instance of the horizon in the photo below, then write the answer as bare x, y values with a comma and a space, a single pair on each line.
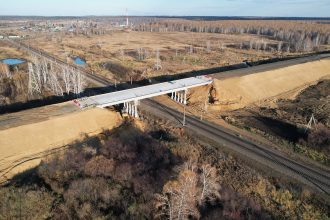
251, 17
169, 8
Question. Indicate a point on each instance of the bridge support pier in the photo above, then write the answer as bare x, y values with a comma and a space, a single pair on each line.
131, 108
180, 96
185, 97
136, 115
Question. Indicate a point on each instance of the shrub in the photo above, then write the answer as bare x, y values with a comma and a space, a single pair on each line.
319, 137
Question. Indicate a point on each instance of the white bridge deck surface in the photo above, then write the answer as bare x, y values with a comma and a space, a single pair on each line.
144, 92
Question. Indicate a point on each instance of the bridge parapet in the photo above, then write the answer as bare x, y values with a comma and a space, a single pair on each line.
177, 89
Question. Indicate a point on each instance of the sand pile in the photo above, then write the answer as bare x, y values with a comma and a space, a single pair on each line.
238, 92
22, 147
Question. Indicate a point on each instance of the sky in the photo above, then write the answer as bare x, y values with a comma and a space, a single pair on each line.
270, 8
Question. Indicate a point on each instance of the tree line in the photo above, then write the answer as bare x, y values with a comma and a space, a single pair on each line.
296, 35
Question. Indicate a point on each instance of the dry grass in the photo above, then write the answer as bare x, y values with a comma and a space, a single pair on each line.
7, 51
174, 50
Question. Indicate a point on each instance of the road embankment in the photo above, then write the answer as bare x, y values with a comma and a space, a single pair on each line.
23, 147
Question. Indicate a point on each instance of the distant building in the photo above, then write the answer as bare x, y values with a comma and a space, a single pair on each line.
13, 36
1, 37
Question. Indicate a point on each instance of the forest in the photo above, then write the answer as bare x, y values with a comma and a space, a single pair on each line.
302, 36
159, 172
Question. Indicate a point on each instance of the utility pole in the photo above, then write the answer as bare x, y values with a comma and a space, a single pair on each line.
204, 110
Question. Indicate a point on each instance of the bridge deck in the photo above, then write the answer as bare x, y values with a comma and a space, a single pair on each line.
144, 92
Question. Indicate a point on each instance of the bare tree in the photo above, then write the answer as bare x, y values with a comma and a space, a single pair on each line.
78, 82
55, 85
288, 48
34, 81
208, 46
194, 186
158, 64
251, 45
279, 46
54, 77
191, 49
209, 183
178, 200
142, 53
139, 53
264, 46
66, 76
44, 72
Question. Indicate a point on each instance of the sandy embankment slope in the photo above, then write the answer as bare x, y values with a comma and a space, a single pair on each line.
238, 92
19, 145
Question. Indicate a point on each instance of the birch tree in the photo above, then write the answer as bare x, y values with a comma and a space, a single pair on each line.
66, 76
178, 200
208, 46
209, 184
78, 82
194, 186
55, 85
279, 46
34, 84
158, 64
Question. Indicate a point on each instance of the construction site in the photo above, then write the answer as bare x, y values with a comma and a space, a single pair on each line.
90, 99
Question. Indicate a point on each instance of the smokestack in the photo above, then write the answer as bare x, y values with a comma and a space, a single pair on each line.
126, 18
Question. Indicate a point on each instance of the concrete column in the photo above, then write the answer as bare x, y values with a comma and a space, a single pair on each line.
136, 103
172, 95
181, 96
185, 97
129, 108
132, 109
136, 111
124, 108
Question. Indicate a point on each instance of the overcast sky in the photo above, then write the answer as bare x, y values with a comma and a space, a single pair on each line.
286, 8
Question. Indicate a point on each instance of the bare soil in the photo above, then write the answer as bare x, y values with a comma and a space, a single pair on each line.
22, 147
289, 118
266, 87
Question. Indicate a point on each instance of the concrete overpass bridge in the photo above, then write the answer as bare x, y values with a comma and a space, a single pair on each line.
130, 97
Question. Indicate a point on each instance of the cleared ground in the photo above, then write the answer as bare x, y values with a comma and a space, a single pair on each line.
23, 147
238, 92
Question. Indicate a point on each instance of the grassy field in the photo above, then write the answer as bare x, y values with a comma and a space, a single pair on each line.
179, 51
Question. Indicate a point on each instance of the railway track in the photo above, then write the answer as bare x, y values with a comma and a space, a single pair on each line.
93, 78
318, 179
